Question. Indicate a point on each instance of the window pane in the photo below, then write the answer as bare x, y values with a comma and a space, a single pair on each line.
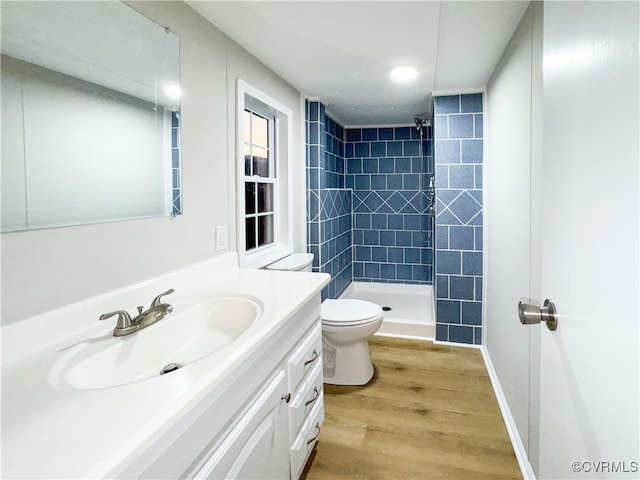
260, 132
247, 126
265, 230
265, 197
247, 160
250, 198
250, 233
260, 162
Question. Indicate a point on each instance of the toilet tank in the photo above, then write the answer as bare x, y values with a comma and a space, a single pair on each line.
297, 262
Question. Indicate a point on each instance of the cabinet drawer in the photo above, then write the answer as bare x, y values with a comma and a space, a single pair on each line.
304, 358
305, 399
307, 438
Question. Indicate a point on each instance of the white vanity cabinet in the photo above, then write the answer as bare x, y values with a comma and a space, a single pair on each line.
261, 423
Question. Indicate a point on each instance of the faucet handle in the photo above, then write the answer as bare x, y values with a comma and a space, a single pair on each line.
156, 301
124, 320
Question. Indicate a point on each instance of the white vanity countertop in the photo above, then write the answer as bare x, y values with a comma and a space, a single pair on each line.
57, 432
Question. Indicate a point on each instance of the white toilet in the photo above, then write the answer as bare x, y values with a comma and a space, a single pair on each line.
346, 326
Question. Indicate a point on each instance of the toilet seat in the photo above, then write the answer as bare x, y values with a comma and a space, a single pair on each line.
349, 312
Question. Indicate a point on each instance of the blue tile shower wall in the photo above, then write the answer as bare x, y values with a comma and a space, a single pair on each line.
176, 197
329, 213
458, 132
388, 172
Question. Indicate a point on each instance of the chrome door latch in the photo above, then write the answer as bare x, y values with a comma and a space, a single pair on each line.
530, 314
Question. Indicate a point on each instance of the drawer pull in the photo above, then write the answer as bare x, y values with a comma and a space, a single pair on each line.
313, 358
316, 395
286, 397
311, 440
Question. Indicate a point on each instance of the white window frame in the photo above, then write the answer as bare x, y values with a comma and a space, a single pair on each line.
282, 149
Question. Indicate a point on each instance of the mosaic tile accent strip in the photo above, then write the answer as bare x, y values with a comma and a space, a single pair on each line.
459, 218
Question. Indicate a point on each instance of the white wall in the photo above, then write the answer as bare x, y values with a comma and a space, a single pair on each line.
512, 271
46, 269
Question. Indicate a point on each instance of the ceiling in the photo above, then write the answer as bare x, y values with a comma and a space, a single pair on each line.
340, 52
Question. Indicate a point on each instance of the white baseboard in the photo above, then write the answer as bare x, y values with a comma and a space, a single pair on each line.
512, 429
456, 344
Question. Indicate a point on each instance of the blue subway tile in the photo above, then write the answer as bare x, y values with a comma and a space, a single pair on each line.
369, 134
403, 239
358, 269
396, 222
363, 220
478, 238
387, 238
448, 262
358, 236
388, 271
403, 165
442, 176
372, 270
314, 109
378, 182
478, 131
322, 113
363, 254
404, 272
411, 148
441, 124
442, 286
362, 149
370, 165
479, 289
461, 237
472, 263
418, 166
394, 149
471, 103
412, 255
402, 133
379, 254
472, 313
348, 150
448, 311
385, 134
442, 332
477, 335
447, 104
394, 182
426, 256
395, 255
386, 165
354, 135
354, 165
363, 182
410, 181
461, 334
472, 151
412, 222
421, 273
447, 151
379, 221
378, 149
371, 237
349, 181
460, 126
461, 288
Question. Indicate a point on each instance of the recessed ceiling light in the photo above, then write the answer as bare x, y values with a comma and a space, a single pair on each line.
404, 73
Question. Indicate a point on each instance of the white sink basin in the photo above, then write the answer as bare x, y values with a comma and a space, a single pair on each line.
181, 338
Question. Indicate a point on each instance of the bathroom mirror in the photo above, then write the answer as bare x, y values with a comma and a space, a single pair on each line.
90, 115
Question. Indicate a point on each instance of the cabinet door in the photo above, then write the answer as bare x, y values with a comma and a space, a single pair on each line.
257, 447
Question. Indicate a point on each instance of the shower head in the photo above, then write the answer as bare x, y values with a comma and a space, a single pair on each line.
421, 122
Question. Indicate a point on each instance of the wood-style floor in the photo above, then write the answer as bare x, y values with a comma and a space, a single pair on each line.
429, 413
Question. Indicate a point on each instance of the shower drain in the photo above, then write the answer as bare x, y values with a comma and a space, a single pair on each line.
386, 309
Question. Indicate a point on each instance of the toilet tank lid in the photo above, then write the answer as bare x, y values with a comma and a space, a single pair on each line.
349, 309
295, 261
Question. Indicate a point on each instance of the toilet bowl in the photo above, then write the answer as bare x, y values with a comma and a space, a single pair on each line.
346, 326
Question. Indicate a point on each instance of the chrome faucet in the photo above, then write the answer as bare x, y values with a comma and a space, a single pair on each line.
127, 325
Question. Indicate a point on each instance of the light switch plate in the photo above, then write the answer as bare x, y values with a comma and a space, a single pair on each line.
222, 238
